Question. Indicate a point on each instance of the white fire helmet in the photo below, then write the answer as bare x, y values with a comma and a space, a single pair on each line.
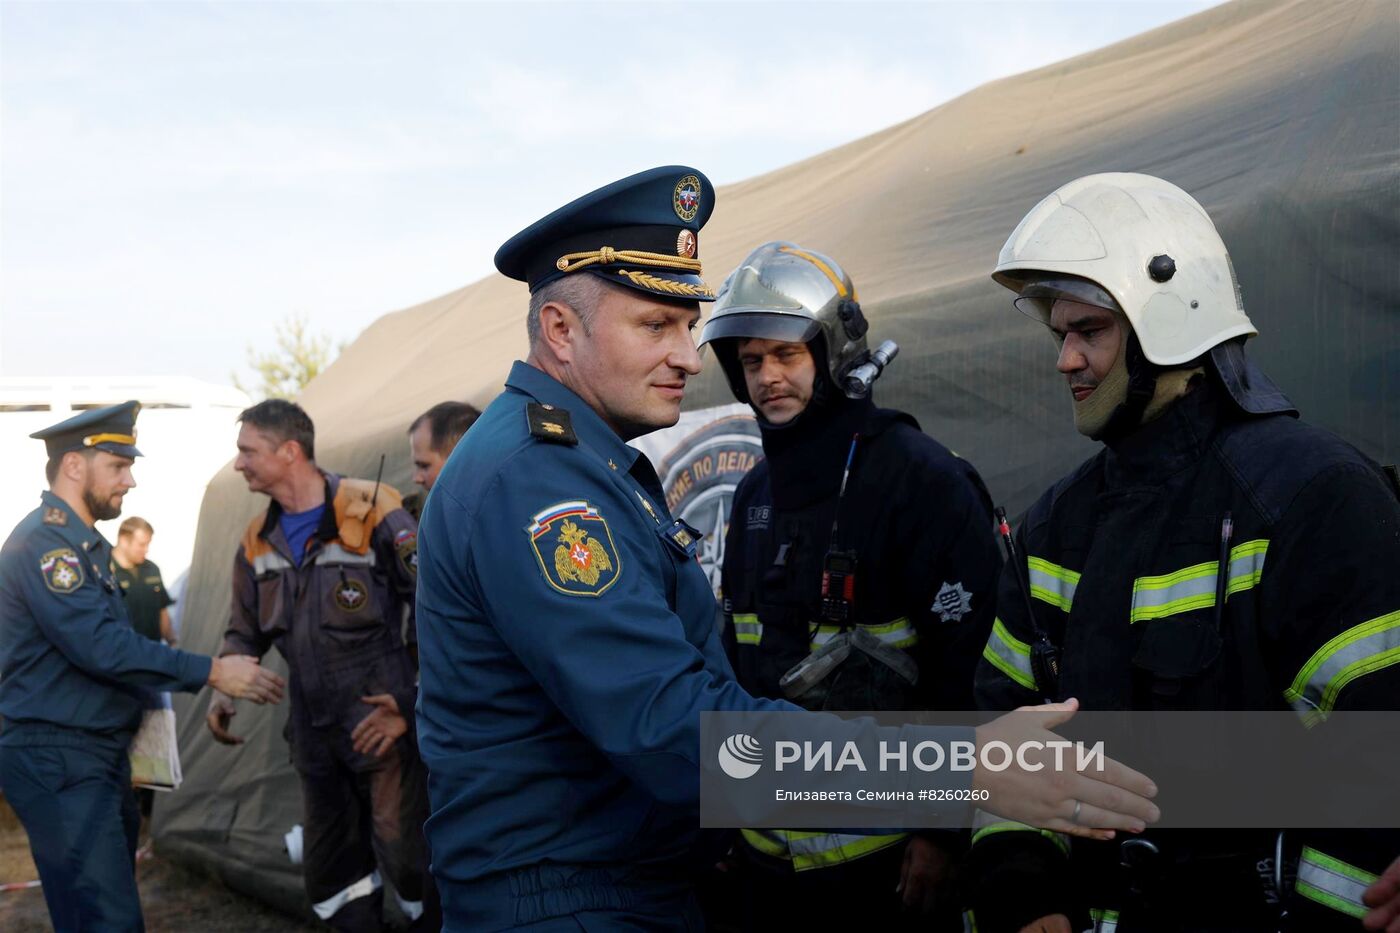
1140, 241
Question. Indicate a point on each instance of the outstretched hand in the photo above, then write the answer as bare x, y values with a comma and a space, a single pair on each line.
1079, 803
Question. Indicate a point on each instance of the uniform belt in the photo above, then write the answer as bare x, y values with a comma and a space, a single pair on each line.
52, 734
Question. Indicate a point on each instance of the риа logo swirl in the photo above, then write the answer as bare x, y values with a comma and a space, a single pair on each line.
740, 756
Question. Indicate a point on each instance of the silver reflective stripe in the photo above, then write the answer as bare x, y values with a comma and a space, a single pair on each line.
1194, 587
1052, 583
824, 842
819, 850
747, 629
411, 909
362, 888
1360, 650
1332, 882
1010, 655
269, 562
897, 634
334, 553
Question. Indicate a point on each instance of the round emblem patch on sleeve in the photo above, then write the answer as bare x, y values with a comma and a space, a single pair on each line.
574, 548
62, 570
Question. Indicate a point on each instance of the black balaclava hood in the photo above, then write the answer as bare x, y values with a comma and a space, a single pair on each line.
807, 455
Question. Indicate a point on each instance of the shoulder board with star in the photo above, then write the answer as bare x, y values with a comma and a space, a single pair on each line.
550, 423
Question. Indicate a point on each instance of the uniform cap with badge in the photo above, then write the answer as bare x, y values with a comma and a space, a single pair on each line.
641, 232
111, 428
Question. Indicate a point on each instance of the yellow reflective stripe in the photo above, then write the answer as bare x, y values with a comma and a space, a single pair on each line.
766, 841
1011, 826
1333, 883
897, 634
1105, 921
1052, 583
1193, 587
747, 629
807, 850
1360, 650
1010, 655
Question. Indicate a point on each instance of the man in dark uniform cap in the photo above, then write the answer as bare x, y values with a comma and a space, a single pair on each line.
564, 768
75, 676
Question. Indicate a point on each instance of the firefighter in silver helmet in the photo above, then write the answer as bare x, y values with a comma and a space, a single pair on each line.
858, 534
1202, 456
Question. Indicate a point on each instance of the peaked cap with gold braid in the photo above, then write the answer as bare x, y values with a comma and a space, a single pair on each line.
641, 232
112, 429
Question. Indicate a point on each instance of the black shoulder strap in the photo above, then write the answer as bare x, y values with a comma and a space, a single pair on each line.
550, 424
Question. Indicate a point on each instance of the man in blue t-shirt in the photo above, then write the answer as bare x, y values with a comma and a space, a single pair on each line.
326, 574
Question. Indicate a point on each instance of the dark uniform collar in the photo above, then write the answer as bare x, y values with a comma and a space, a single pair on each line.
1168, 445
592, 430
60, 515
326, 530
807, 456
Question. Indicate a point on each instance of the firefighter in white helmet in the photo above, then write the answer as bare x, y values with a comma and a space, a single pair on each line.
1202, 456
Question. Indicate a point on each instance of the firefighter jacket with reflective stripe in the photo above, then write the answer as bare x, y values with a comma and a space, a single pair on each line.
342, 616
919, 521
1121, 558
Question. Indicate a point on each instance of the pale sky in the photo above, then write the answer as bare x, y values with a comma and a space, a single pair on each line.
176, 178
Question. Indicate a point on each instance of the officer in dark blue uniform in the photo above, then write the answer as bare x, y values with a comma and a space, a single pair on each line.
567, 633
75, 677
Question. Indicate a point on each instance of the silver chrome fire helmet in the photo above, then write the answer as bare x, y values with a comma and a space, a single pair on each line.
785, 292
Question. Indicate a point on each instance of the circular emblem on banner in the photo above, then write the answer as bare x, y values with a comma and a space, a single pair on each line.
699, 476
685, 244
351, 595
686, 199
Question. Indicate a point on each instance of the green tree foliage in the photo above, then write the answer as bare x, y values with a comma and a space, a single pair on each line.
300, 356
